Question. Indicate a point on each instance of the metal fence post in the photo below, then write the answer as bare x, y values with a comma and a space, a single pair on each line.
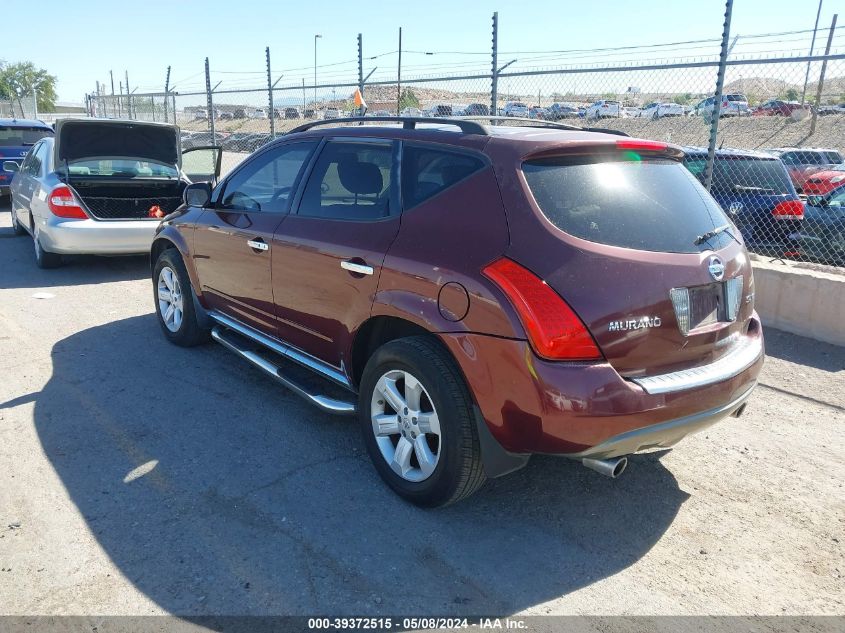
166, 90
494, 78
399, 76
821, 75
209, 101
717, 102
361, 70
128, 95
270, 96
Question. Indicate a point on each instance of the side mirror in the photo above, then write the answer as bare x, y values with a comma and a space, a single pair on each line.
197, 194
11, 165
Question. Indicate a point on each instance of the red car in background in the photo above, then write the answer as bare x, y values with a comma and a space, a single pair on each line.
825, 181
801, 163
776, 107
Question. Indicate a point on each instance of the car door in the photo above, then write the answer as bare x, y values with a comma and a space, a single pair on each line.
232, 240
329, 252
24, 186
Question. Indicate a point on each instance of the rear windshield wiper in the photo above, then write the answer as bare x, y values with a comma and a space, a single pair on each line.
711, 234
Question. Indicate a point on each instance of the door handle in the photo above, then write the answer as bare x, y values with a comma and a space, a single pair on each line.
361, 269
259, 245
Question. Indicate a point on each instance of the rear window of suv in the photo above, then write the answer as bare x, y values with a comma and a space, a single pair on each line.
650, 205
18, 136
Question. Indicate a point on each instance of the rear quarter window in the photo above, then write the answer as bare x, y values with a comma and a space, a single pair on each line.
427, 172
650, 205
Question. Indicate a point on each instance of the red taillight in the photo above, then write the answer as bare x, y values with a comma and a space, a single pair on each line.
63, 204
789, 210
642, 146
555, 331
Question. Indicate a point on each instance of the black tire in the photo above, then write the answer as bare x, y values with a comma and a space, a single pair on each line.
17, 229
189, 332
44, 259
459, 471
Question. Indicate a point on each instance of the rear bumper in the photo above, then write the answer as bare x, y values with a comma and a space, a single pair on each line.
93, 237
588, 409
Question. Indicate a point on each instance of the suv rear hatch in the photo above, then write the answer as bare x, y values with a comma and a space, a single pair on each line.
619, 229
120, 169
15, 140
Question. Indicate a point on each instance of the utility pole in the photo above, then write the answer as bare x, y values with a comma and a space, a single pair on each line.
399, 76
166, 91
717, 102
119, 100
812, 46
821, 75
494, 81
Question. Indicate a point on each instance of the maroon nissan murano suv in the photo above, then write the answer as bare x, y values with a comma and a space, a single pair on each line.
473, 293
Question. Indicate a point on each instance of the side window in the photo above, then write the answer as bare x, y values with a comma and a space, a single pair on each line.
43, 157
267, 183
426, 172
32, 164
788, 158
350, 181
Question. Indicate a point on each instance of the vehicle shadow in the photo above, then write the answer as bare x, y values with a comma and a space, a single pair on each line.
18, 269
804, 351
216, 492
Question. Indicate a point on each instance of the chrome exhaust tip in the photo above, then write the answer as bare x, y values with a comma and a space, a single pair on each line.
608, 467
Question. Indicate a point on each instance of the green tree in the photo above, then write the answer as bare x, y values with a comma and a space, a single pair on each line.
408, 99
684, 98
791, 95
18, 81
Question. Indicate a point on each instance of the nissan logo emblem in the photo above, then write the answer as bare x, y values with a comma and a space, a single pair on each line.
716, 268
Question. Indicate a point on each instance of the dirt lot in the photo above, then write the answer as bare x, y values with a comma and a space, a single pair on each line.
140, 478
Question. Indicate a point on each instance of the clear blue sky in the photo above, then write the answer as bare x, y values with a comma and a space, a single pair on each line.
81, 41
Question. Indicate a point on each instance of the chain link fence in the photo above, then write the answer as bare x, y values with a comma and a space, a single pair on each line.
777, 172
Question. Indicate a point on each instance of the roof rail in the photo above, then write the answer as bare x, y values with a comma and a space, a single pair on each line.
543, 123
409, 123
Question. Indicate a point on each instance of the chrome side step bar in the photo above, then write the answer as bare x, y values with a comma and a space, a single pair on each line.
326, 403
309, 362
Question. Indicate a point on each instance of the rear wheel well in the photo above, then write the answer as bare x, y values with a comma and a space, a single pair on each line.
375, 333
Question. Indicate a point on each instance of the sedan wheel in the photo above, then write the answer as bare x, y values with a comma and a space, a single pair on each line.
170, 299
406, 425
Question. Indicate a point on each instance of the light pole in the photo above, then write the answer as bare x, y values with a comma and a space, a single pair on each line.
316, 37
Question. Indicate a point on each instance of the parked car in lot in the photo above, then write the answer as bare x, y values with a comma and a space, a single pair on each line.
477, 109
292, 113
536, 112
17, 136
777, 107
331, 113
244, 142
411, 112
440, 110
516, 109
832, 109
226, 116
94, 188
605, 108
823, 182
732, 105
755, 191
658, 110
822, 235
258, 113
204, 139
559, 111
805, 162
200, 115
582, 318
239, 113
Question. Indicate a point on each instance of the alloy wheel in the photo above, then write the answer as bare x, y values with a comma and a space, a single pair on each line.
406, 425
170, 299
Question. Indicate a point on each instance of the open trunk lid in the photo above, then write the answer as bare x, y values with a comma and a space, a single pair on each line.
80, 139
637, 248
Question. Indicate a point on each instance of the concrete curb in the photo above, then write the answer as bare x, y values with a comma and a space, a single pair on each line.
800, 300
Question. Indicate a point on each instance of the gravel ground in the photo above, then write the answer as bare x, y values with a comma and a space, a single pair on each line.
140, 478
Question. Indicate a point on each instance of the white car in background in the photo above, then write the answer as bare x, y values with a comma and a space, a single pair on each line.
258, 113
515, 108
732, 105
605, 108
657, 110
415, 112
